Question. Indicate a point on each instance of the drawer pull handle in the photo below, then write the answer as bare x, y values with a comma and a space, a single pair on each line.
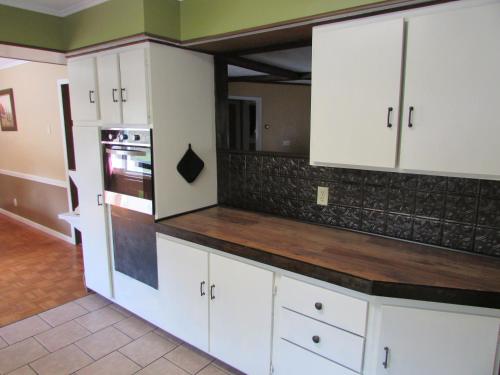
389, 110
202, 286
386, 360
212, 294
316, 339
318, 306
410, 117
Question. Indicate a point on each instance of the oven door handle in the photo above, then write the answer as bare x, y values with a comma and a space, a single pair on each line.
125, 152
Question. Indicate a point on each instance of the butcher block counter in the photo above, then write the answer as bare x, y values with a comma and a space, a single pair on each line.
366, 263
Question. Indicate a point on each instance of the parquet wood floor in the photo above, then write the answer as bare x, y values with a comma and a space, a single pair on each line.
37, 271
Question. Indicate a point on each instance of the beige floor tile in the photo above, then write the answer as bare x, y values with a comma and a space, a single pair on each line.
20, 354
25, 370
3, 344
93, 302
135, 327
188, 358
113, 364
121, 310
103, 342
64, 361
162, 367
23, 329
100, 319
61, 336
225, 367
212, 370
63, 313
168, 336
147, 349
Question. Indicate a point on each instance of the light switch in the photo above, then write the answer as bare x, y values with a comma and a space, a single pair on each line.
322, 195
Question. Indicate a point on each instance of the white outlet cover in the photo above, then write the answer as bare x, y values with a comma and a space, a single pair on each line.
322, 198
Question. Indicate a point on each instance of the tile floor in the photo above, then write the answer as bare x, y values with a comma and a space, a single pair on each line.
92, 336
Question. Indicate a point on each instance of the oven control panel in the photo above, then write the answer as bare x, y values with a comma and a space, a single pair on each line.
137, 137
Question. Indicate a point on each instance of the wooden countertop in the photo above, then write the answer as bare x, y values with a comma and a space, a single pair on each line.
363, 262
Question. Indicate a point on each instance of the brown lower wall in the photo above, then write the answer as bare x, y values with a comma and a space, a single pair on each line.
36, 201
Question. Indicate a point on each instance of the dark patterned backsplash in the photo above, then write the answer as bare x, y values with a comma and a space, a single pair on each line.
457, 213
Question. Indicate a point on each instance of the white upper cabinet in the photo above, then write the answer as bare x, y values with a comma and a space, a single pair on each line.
108, 69
452, 82
416, 341
83, 89
134, 87
356, 80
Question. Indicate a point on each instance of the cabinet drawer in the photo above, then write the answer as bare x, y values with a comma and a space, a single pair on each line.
325, 305
293, 360
338, 345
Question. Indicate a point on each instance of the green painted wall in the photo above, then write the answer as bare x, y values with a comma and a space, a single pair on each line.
162, 17
201, 18
110, 20
168, 18
30, 28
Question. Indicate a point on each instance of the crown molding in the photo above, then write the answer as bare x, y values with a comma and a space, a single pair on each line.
29, 5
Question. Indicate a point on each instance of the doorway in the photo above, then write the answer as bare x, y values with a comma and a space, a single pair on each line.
245, 123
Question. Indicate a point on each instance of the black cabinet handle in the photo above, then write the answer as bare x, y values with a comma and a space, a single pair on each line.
385, 363
212, 295
316, 339
202, 287
91, 99
389, 111
123, 95
99, 199
318, 306
114, 97
410, 116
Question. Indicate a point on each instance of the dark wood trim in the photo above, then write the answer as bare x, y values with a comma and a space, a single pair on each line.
32, 47
221, 102
268, 79
269, 48
261, 67
10, 93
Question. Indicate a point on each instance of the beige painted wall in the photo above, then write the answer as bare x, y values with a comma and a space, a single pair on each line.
286, 108
37, 147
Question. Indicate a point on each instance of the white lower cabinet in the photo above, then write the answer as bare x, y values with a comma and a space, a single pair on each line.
416, 341
183, 284
198, 287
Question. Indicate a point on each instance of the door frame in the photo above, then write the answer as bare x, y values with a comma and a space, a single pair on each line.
59, 84
258, 117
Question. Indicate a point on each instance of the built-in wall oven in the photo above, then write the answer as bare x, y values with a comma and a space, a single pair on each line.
128, 189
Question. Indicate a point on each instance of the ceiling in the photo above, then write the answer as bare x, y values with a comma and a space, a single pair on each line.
59, 8
7, 63
294, 59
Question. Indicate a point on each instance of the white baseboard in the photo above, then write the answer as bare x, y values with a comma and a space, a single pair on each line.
35, 225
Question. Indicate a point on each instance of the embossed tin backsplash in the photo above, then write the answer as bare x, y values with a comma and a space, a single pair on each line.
457, 213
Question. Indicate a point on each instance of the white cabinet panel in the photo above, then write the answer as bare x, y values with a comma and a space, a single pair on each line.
134, 92
83, 89
356, 79
109, 88
339, 310
453, 83
241, 314
96, 254
183, 284
335, 344
293, 360
436, 343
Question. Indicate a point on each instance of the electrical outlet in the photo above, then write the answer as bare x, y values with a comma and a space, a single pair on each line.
322, 195
14, 201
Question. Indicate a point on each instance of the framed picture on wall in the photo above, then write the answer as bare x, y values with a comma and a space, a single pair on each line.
7, 110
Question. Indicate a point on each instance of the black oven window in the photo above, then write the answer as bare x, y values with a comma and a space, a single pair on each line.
128, 171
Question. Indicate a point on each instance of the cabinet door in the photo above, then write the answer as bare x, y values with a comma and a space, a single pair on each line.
109, 89
96, 255
82, 86
453, 84
355, 93
134, 93
240, 314
183, 285
436, 343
